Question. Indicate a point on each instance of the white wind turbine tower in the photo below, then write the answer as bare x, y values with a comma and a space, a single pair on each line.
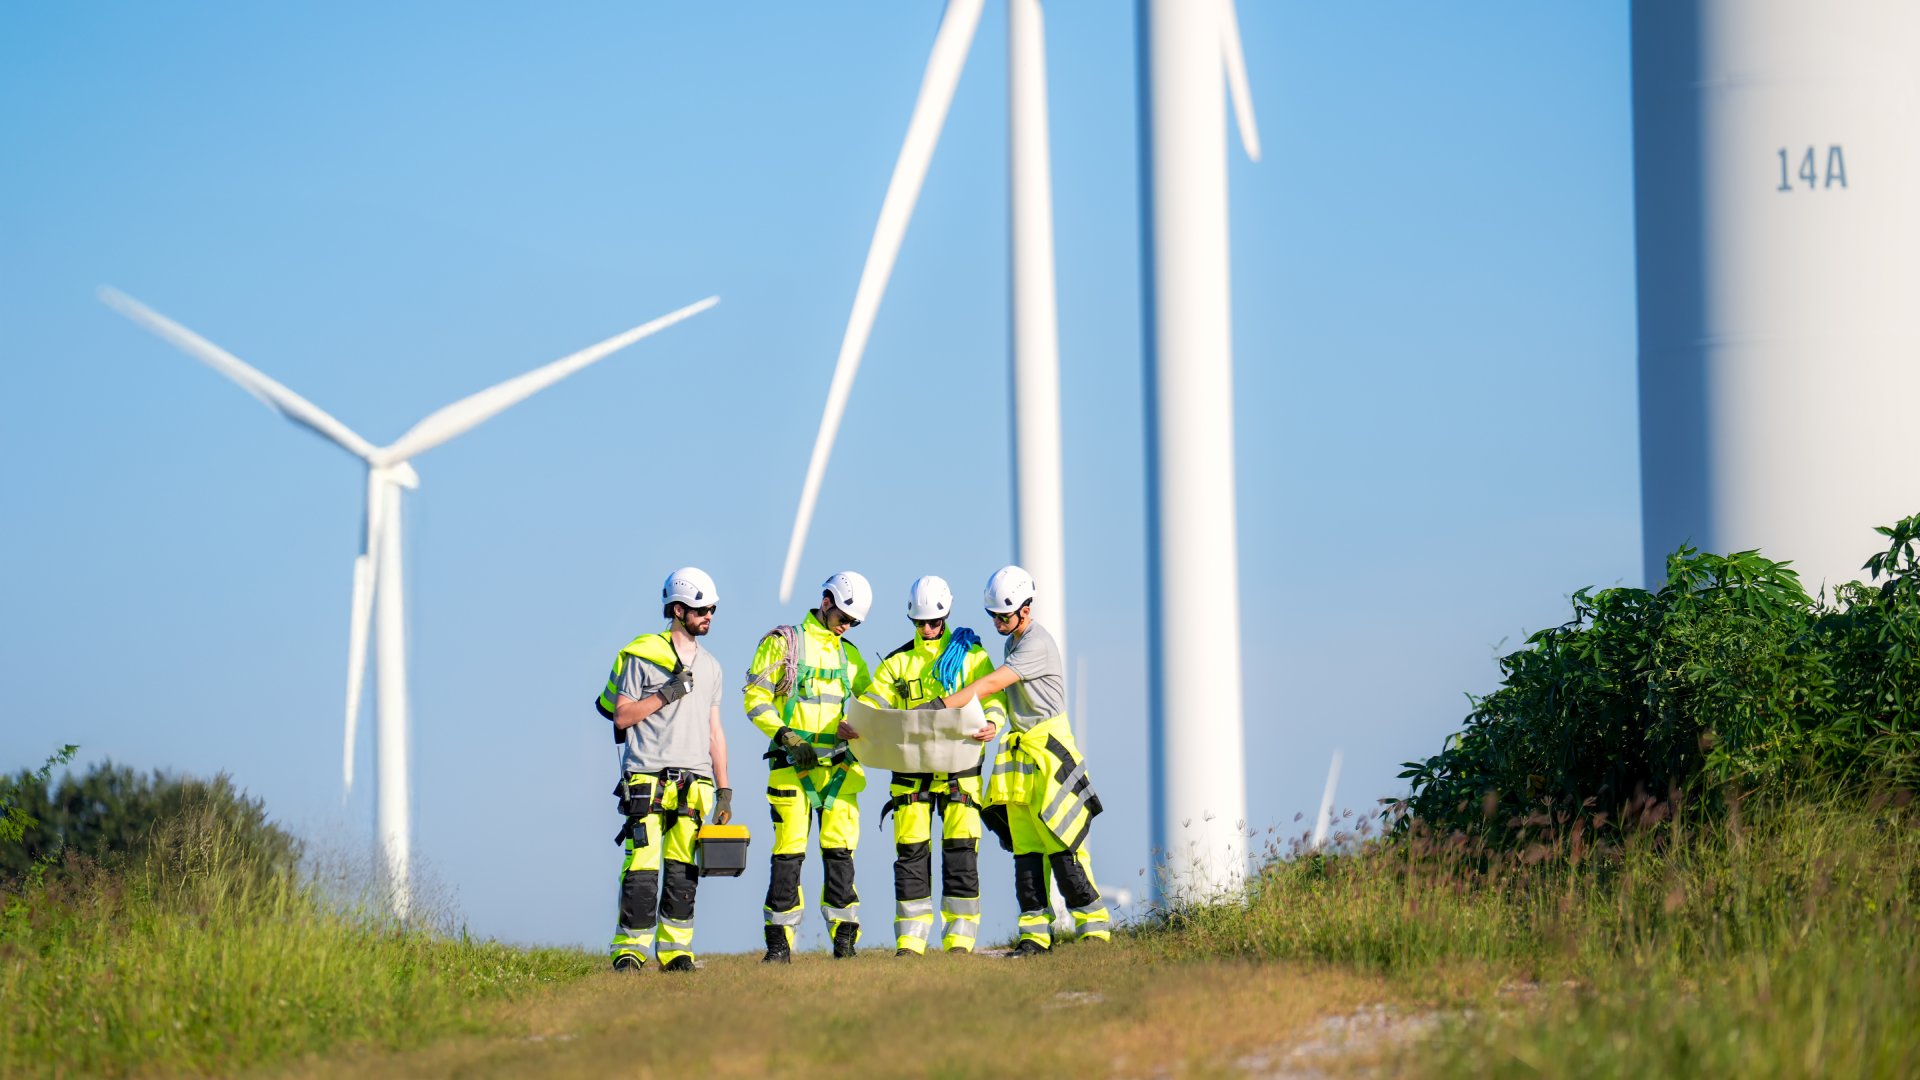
378, 590
1195, 737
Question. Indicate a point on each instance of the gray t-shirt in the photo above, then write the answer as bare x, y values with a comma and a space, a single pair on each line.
1041, 693
678, 736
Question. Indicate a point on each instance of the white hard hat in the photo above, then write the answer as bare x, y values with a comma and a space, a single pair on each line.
691, 586
1007, 589
929, 598
851, 594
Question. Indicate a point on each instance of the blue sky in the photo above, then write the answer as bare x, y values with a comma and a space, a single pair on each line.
389, 209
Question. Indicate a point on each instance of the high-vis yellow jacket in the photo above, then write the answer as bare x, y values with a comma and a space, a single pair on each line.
1041, 768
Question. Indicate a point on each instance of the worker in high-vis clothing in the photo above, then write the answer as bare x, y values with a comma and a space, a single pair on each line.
664, 700
798, 686
936, 661
1040, 781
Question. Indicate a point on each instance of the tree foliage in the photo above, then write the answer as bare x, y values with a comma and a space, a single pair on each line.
1728, 679
111, 811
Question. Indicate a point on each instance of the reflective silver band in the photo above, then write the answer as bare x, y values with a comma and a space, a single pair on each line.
911, 909
961, 906
1066, 789
783, 918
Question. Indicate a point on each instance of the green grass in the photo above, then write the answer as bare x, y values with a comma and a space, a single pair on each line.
1787, 944
203, 956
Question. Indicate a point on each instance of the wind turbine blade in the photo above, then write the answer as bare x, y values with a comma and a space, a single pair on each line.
366, 577
273, 395
1237, 86
471, 411
944, 65
1325, 820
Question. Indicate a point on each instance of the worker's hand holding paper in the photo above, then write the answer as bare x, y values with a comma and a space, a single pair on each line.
917, 740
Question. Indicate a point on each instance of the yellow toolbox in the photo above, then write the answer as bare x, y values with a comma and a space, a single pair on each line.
723, 850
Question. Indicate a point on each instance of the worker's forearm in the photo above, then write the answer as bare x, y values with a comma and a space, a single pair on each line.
719, 756
634, 711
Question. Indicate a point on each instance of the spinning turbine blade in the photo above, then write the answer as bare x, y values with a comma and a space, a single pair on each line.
948, 59
1237, 86
273, 395
469, 412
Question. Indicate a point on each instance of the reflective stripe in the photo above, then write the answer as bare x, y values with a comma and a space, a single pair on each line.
783, 918
908, 909
1098, 907
1044, 916
1017, 765
1066, 789
960, 906
1100, 926
759, 710
676, 924
917, 929
826, 696
873, 702
841, 914
759, 680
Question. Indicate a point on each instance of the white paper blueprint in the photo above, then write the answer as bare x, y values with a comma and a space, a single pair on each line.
917, 740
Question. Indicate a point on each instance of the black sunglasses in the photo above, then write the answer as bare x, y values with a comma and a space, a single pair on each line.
1005, 616
708, 610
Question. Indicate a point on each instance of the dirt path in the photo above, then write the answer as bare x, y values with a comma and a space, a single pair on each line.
1085, 1011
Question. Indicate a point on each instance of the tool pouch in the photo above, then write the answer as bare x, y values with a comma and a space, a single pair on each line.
635, 797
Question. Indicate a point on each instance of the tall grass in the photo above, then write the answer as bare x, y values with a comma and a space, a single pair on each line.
1778, 939
209, 954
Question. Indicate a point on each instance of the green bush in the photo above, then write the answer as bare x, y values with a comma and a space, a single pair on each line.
1728, 679
198, 946
111, 812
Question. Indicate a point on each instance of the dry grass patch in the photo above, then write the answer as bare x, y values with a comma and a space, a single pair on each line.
1118, 1010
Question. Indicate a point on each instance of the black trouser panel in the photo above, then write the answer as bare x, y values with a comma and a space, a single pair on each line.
839, 891
1030, 881
783, 883
677, 889
1076, 888
913, 871
639, 894
960, 868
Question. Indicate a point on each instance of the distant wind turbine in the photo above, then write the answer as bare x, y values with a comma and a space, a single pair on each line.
1325, 821
376, 572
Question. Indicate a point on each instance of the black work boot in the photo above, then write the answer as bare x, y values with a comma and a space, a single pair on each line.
778, 951
683, 962
628, 964
1027, 947
843, 940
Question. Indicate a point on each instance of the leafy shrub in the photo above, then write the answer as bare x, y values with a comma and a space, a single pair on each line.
112, 813
1729, 678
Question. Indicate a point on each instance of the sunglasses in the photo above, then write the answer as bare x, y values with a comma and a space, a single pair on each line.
941, 621
702, 611
1005, 616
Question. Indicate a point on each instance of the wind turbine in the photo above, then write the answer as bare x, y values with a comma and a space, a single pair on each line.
1039, 545
1195, 738
377, 571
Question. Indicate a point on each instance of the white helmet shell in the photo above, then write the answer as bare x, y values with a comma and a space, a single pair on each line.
691, 586
1007, 589
851, 594
929, 598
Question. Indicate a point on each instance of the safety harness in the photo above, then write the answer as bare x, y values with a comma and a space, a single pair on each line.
668, 793
798, 680
923, 793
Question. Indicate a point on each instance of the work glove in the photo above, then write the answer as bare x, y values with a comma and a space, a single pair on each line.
723, 806
676, 687
800, 752
931, 703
